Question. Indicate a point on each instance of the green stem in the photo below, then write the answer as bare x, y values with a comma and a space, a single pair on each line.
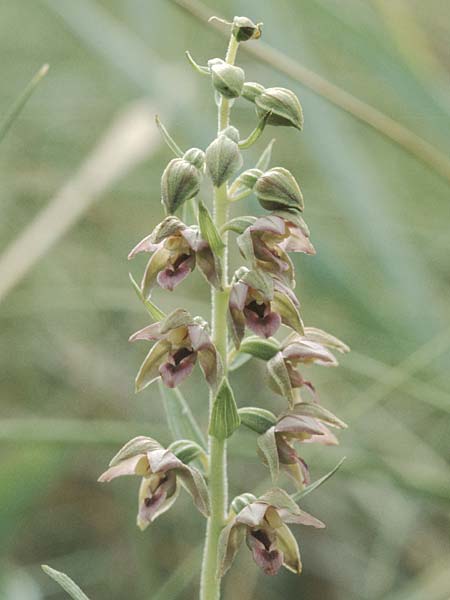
218, 483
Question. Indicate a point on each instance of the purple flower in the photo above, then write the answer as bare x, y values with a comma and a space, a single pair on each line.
276, 445
180, 341
263, 525
161, 472
262, 304
176, 249
268, 240
313, 347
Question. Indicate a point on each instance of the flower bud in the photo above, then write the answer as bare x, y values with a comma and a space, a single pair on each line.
186, 450
257, 419
247, 179
180, 182
252, 90
278, 189
227, 79
244, 29
241, 502
223, 157
260, 348
196, 157
283, 105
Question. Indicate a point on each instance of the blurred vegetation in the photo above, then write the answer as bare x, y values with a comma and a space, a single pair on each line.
379, 220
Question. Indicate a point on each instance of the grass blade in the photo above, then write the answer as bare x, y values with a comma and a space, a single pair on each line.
20, 102
66, 583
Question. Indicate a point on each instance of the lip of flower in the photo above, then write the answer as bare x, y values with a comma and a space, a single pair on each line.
180, 341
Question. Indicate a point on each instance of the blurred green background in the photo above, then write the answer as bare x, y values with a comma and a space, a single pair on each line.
379, 217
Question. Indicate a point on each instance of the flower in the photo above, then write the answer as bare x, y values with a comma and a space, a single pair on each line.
297, 425
313, 347
268, 240
262, 522
262, 304
162, 472
180, 340
176, 249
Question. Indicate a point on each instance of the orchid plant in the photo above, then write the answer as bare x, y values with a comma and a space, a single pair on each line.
248, 309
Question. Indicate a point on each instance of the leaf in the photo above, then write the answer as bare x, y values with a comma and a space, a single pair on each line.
224, 415
181, 421
65, 582
20, 102
267, 444
168, 138
310, 488
208, 229
155, 313
257, 419
264, 159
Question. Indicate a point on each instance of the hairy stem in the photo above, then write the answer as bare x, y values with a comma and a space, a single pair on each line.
218, 483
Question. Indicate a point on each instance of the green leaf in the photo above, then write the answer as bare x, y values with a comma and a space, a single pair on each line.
313, 486
257, 419
208, 229
181, 421
168, 138
224, 416
264, 159
20, 102
267, 444
259, 347
65, 582
155, 313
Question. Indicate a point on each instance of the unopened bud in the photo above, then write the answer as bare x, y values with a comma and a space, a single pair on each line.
257, 419
196, 157
179, 182
241, 502
247, 179
223, 158
283, 106
227, 79
244, 29
252, 90
186, 450
278, 189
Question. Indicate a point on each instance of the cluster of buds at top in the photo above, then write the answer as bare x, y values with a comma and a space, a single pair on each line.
258, 303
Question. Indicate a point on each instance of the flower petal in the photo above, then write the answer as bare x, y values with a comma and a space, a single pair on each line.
153, 504
149, 370
134, 465
230, 541
265, 326
173, 373
288, 545
157, 263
